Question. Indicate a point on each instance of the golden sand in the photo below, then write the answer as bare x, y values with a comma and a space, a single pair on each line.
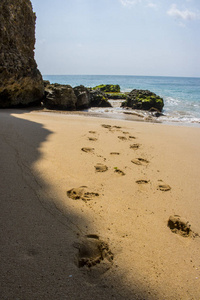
85, 204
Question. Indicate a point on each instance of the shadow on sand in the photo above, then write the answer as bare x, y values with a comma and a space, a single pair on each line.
37, 253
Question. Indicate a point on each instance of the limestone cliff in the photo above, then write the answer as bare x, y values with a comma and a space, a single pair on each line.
20, 80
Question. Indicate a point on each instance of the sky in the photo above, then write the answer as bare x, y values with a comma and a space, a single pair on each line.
118, 37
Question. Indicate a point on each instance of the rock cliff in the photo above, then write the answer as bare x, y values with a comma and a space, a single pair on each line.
21, 83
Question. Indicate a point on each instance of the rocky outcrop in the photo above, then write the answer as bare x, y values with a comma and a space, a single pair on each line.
98, 99
83, 97
21, 83
144, 99
65, 97
58, 96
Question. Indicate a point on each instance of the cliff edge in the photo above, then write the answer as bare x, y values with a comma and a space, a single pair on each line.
21, 83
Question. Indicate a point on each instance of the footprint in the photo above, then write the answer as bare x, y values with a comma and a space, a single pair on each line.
180, 226
164, 187
87, 149
93, 132
134, 146
106, 126
81, 193
139, 161
123, 138
125, 132
120, 172
142, 181
101, 168
110, 127
118, 127
92, 251
92, 139
114, 153
131, 137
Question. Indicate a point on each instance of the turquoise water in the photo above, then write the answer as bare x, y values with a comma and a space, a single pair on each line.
181, 94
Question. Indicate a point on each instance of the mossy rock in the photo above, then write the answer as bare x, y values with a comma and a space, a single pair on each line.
144, 99
109, 88
98, 99
116, 96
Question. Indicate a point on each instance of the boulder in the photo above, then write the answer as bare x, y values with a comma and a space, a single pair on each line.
21, 83
143, 99
98, 99
83, 97
58, 96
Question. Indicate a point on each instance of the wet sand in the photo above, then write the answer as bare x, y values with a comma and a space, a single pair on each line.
86, 206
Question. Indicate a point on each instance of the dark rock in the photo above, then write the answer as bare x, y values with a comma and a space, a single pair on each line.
143, 99
21, 83
98, 99
46, 82
112, 88
58, 96
65, 97
83, 97
155, 112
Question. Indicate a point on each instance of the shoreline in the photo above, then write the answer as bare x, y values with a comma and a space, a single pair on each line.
130, 116
179, 102
43, 228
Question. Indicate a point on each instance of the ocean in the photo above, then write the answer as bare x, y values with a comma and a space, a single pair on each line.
181, 94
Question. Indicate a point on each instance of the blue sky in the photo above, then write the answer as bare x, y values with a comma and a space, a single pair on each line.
118, 37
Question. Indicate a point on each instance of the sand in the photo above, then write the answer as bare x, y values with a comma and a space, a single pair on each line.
85, 204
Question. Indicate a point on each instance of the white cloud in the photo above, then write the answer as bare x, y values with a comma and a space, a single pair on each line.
182, 14
129, 2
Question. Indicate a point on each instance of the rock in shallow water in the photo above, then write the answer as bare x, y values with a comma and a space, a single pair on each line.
143, 99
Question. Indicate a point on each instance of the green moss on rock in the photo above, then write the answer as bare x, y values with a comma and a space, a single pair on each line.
143, 99
116, 96
99, 99
109, 88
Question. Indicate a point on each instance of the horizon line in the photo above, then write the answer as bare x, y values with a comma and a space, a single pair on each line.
172, 76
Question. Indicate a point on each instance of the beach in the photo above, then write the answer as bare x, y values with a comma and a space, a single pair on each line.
85, 205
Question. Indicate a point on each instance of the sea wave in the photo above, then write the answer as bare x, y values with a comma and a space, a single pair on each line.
173, 112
